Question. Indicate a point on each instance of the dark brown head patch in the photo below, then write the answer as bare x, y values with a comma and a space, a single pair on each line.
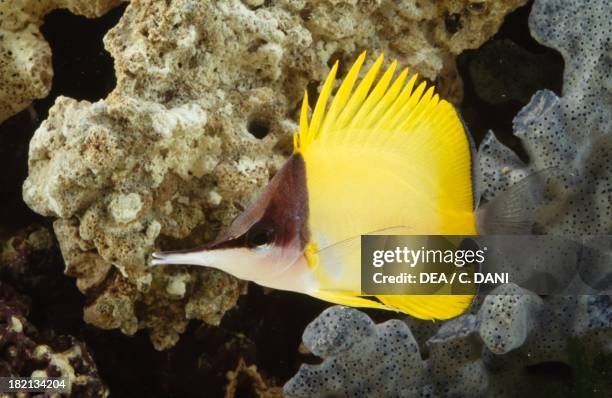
278, 216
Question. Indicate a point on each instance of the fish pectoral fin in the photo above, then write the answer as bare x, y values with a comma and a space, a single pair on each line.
354, 242
435, 306
348, 298
339, 260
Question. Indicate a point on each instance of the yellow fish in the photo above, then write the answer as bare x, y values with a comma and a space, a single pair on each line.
390, 157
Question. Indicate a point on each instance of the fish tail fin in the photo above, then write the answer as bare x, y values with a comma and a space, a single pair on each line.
429, 306
514, 211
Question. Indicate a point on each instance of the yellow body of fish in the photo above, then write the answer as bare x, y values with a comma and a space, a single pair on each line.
389, 158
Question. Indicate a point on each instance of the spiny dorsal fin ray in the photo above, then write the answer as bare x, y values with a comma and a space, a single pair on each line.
344, 92
389, 105
405, 118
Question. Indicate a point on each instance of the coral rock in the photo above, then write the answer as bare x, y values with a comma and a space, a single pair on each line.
477, 355
508, 318
246, 380
25, 57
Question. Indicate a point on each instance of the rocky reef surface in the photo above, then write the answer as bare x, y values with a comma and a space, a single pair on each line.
26, 72
202, 115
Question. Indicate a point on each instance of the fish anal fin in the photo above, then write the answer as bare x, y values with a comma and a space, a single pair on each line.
348, 299
437, 306
429, 307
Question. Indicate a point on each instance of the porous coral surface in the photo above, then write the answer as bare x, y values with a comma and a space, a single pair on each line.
248, 376
25, 57
202, 116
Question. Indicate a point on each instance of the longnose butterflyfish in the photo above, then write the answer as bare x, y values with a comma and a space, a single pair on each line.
384, 155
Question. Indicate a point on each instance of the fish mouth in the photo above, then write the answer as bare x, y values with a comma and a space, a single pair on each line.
187, 256
158, 258
177, 257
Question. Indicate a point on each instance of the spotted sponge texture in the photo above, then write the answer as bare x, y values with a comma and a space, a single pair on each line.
362, 359
486, 354
572, 134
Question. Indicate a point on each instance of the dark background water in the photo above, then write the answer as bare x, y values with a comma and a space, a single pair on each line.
265, 328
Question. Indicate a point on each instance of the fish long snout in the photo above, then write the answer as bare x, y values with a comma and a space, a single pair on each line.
158, 258
184, 257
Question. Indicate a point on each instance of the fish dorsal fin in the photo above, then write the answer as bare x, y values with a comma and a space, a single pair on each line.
390, 106
389, 149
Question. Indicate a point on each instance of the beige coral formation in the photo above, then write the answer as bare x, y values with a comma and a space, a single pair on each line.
201, 117
254, 384
25, 57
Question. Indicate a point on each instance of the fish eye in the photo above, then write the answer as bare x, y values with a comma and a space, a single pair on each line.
259, 235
